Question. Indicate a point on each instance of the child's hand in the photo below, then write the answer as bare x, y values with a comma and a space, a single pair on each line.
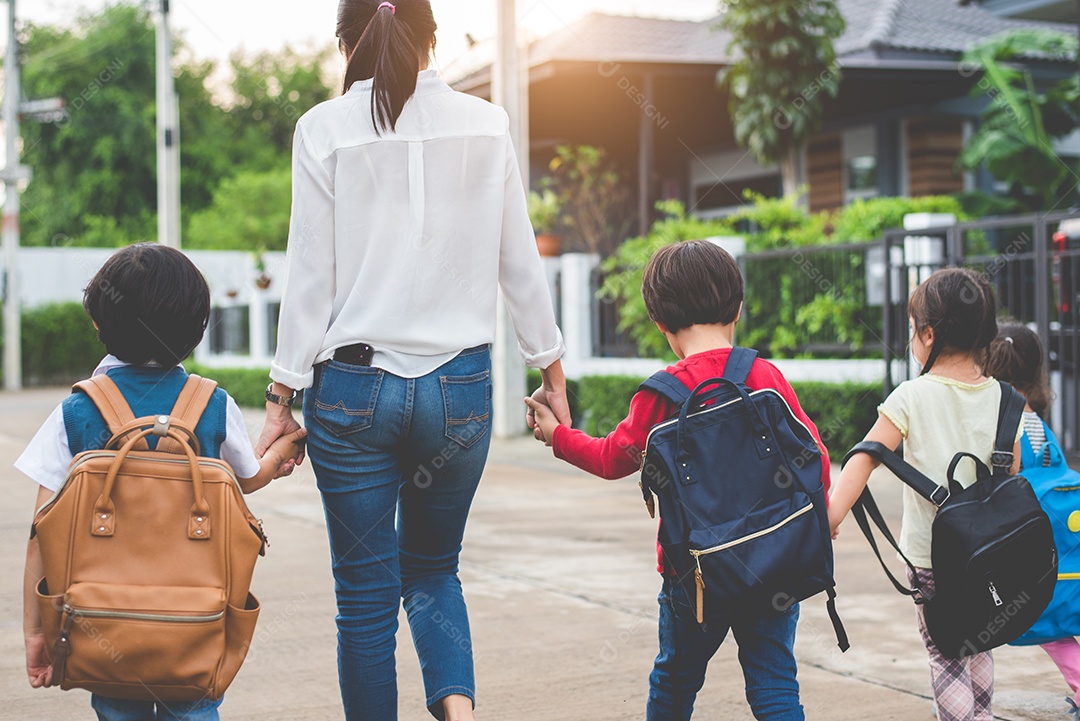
546, 422
37, 661
286, 450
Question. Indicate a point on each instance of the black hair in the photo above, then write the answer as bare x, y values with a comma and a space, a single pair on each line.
385, 42
150, 303
961, 308
690, 283
1017, 357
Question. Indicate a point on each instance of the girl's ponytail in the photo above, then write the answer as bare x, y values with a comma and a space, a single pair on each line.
385, 42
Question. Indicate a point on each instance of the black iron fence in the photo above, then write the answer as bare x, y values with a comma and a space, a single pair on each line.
1037, 278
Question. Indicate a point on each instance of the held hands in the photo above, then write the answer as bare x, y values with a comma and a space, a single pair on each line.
285, 450
279, 424
37, 661
542, 419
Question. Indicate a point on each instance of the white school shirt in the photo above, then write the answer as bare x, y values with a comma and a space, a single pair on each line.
401, 240
47, 457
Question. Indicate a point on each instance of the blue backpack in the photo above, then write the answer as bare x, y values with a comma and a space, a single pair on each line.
1058, 489
744, 525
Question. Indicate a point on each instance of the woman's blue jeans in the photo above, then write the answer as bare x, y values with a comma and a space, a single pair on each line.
398, 461
765, 654
118, 709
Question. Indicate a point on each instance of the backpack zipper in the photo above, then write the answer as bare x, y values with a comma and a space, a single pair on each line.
994, 594
136, 616
756, 534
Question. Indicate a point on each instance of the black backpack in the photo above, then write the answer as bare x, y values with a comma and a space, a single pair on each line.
993, 552
744, 524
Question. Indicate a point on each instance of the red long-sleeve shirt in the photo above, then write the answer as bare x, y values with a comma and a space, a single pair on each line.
619, 454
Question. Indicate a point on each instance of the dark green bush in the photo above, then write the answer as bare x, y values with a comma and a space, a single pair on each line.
247, 386
59, 344
605, 401
843, 412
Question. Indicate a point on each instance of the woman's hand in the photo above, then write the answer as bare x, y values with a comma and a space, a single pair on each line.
279, 422
553, 395
545, 420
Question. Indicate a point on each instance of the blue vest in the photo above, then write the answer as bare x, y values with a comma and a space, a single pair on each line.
150, 391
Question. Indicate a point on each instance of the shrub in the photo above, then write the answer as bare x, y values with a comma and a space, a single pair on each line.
247, 386
843, 412
866, 220
59, 345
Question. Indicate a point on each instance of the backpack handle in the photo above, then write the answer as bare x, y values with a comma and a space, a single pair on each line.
981, 471
765, 447
145, 422
103, 524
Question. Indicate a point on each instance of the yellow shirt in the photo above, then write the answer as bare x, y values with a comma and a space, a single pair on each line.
938, 418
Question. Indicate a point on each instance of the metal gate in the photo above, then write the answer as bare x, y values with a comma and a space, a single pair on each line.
1034, 265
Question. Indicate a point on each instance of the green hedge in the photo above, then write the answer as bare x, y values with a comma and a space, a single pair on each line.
843, 413
247, 386
59, 344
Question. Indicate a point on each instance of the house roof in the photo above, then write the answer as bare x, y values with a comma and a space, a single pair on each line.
910, 33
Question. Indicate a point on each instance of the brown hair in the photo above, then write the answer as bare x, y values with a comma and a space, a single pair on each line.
1016, 356
386, 45
690, 283
961, 308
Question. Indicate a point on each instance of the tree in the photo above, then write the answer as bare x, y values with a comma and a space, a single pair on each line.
786, 62
1015, 139
595, 200
250, 212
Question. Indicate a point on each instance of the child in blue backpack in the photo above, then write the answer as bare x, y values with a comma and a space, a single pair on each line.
151, 306
951, 407
1017, 357
693, 291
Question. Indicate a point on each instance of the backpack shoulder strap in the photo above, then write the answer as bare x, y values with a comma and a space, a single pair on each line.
904, 471
188, 409
110, 402
667, 386
739, 364
1010, 414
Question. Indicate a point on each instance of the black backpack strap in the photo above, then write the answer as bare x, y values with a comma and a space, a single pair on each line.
1010, 415
904, 471
667, 386
739, 364
866, 511
837, 624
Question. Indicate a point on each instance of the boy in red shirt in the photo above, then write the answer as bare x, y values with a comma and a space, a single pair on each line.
694, 292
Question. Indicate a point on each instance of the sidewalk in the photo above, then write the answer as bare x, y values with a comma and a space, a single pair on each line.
559, 573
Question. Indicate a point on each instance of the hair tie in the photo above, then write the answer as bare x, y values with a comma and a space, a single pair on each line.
393, 8
1009, 340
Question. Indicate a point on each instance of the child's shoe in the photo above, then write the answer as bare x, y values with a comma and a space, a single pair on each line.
1074, 711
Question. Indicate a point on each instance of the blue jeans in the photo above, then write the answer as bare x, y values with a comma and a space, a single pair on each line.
397, 462
765, 654
118, 709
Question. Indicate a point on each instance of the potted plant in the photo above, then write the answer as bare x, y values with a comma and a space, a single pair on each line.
544, 210
262, 278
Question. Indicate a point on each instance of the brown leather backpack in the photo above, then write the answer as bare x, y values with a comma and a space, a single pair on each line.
148, 559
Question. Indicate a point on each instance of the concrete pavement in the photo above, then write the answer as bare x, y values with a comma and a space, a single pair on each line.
559, 574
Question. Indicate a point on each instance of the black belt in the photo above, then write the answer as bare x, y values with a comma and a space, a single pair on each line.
358, 354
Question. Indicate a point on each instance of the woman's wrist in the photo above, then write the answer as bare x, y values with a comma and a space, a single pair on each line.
553, 377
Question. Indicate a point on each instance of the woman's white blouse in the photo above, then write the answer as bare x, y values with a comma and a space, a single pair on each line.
401, 240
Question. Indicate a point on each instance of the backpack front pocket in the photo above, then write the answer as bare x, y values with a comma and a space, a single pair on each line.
140, 635
753, 560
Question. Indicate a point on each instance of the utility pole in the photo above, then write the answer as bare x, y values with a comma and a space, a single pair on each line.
506, 90
12, 174
168, 136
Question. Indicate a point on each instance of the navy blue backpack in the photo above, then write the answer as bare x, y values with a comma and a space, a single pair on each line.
744, 525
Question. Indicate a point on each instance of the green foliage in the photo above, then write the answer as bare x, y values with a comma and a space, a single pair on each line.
544, 210
606, 401
772, 223
250, 210
95, 171
247, 386
627, 266
1014, 139
843, 412
595, 201
59, 345
866, 220
785, 64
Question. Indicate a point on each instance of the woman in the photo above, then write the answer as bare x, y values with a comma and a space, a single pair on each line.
408, 213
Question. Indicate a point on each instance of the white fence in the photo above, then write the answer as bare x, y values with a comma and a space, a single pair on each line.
243, 329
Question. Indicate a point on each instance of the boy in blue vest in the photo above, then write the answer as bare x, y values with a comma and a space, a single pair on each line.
151, 306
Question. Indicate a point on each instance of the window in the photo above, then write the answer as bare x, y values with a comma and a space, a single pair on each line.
860, 163
229, 330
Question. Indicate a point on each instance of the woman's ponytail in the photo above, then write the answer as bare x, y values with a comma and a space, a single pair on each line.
385, 42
